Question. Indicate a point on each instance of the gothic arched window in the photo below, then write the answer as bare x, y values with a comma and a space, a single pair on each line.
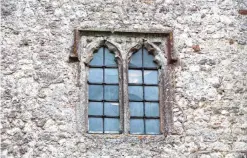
103, 95
129, 95
143, 93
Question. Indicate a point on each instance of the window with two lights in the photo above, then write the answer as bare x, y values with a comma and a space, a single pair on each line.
104, 114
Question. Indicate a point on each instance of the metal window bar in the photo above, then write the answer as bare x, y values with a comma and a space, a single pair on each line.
103, 101
109, 101
142, 84
103, 116
153, 101
90, 83
144, 117
144, 68
110, 67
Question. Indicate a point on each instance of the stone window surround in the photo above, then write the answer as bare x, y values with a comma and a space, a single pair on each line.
164, 59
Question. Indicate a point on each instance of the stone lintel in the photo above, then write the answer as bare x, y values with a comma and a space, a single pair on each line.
136, 31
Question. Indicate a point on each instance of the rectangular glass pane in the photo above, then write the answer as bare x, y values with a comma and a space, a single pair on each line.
151, 109
111, 75
136, 126
95, 125
136, 108
148, 59
135, 76
136, 93
111, 125
95, 92
152, 126
97, 58
111, 93
136, 59
151, 93
109, 58
151, 76
111, 109
95, 108
95, 75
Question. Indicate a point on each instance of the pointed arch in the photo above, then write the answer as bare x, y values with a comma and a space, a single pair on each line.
153, 49
86, 56
165, 108
95, 45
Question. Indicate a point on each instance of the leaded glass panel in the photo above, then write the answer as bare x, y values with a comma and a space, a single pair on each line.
143, 93
103, 108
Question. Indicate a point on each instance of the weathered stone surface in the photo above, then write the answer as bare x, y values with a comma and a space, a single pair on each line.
40, 88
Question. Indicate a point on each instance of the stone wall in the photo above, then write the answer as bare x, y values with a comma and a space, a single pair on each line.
39, 91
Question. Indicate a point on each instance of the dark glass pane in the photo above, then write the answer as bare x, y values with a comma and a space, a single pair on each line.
95, 75
111, 125
151, 109
95, 125
148, 59
136, 59
136, 126
135, 76
136, 108
109, 58
95, 92
136, 93
152, 126
151, 76
111, 109
151, 92
111, 76
111, 93
97, 58
95, 108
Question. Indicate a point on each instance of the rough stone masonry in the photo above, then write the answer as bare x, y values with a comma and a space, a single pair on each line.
39, 91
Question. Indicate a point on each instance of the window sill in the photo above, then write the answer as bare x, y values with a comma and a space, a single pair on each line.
126, 137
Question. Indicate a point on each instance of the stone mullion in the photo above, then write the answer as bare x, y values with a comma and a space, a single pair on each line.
126, 98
